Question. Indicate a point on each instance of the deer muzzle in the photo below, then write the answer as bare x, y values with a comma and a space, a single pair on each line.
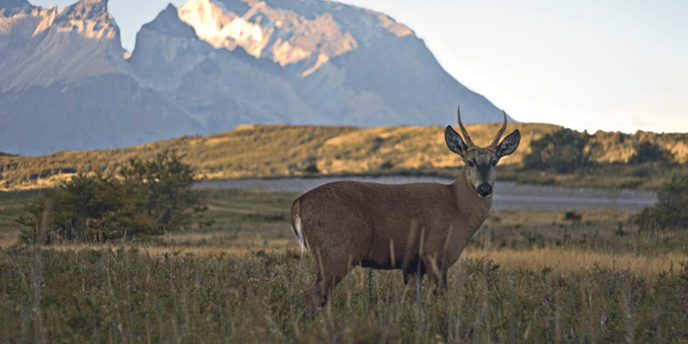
484, 189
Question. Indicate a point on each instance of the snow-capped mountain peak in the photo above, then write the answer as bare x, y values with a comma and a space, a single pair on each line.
80, 41
284, 36
89, 18
210, 66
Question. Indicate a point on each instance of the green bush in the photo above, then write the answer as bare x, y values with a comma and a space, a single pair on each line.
561, 151
164, 188
672, 206
152, 196
312, 168
387, 165
648, 152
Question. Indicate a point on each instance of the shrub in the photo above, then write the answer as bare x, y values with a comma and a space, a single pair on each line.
312, 168
648, 152
151, 197
672, 206
387, 165
573, 216
94, 208
164, 187
561, 151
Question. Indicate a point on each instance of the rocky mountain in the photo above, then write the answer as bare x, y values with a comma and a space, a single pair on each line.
65, 85
209, 66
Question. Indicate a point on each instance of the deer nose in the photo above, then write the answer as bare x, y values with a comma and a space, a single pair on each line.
484, 189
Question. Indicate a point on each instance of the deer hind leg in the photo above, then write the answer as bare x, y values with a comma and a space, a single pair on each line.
330, 270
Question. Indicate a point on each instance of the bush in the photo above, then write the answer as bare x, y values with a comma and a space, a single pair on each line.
312, 168
150, 197
649, 152
93, 208
164, 187
672, 206
387, 165
561, 151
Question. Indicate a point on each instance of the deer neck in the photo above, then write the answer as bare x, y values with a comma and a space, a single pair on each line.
472, 206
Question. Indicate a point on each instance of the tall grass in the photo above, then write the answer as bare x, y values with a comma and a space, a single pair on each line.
527, 276
127, 296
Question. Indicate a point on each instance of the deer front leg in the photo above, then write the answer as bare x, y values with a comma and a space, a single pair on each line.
413, 272
437, 273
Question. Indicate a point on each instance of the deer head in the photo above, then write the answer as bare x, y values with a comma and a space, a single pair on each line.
480, 162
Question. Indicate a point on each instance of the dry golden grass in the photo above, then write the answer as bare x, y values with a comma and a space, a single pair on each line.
276, 246
8, 240
563, 260
569, 261
515, 217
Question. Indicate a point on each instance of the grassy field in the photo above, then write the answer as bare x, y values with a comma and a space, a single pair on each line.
527, 276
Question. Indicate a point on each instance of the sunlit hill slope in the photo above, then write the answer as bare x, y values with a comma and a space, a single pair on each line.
285, 150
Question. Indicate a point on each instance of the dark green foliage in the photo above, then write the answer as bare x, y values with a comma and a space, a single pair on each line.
648, 152
153, 196
573, 216
312, 168
561, 151
87, 208
164, 185
672, 206
387, 165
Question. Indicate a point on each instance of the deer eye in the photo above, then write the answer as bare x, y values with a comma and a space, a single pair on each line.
494, 163
470, 163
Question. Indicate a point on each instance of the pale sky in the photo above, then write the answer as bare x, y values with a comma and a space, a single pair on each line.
586, 64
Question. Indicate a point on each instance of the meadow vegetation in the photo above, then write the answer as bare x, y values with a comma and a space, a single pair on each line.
125, 295
527, 276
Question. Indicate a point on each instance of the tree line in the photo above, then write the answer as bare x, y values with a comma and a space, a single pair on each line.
566, 151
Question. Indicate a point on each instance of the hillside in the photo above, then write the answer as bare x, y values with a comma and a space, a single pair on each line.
285, 150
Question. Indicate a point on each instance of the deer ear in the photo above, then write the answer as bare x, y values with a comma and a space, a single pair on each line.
454, 141
509, 144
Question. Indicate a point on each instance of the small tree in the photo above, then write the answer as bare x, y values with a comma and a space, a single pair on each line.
671, 209
92, 208
151, 196
561, 151
164, 184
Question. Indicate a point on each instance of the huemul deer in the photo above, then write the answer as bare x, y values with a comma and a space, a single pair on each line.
419, 228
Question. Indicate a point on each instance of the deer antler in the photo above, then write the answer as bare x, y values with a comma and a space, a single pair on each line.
499, 133
469, 142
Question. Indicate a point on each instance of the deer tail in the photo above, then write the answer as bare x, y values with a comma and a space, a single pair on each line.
296, 224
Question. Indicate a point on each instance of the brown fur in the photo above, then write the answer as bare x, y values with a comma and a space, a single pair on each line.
346, 223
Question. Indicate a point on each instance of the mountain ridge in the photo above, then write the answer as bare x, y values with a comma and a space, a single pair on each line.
210, 66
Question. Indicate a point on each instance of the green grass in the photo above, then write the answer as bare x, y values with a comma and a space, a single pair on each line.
527, 276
